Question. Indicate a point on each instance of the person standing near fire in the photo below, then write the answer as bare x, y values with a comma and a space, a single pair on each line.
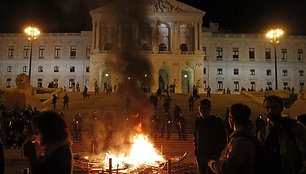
51, 133
209, 136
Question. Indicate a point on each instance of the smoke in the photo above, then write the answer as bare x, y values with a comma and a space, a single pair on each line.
131, 31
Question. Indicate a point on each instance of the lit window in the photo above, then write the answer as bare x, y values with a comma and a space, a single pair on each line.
284, 54
24, 69
41, 52
220, 86
219, 53
9, 69
268, 72
39, 82
56, 69
88, 52
219, 71
236, 86
252, 71
26, 52
285, 72
40, 69
235, 53
57, 52
8, 82
11, 52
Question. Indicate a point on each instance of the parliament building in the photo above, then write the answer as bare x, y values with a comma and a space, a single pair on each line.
181, 51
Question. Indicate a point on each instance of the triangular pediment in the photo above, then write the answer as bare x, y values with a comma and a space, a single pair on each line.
156, 6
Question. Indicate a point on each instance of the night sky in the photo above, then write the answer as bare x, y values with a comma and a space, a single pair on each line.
246, 16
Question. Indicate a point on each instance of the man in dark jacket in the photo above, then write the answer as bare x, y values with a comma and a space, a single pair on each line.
209, 136
285, 137
238, 155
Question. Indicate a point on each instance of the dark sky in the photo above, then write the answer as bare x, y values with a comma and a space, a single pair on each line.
248, 16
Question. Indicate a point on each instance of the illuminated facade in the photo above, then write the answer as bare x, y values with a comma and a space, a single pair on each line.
181, 52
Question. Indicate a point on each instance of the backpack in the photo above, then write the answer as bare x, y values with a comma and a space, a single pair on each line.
262, 156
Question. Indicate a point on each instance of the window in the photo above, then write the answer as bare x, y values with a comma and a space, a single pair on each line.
39, 83
268, 72
220, 86
72, 69
11, 52
251, 54
301, 86
57, 52
285, 85
87, 52
71, 81
236, 86
56, 69
41, 52
219, 53
269, 84
87, 69
285, 72
235, 53
40, 69
9, 69
24, 69
300, 54
162, 47
8, 82
253, 86
204, 53
284, 54
184, 47
301, 72
204, 70
219, 71
236, 71
72, 52
268, 54
252, 71
26, 52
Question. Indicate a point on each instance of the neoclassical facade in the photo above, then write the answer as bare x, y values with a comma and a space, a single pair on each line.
181, 52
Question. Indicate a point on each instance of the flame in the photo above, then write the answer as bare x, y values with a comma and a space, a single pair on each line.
142, 153
138, 128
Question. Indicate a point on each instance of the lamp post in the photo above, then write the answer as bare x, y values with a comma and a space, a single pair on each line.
32, 33
273, 35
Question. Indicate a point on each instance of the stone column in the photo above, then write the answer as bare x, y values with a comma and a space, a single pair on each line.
196, 36
200, 35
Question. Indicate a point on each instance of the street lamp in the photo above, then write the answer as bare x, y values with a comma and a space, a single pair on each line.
32, 33
273, 35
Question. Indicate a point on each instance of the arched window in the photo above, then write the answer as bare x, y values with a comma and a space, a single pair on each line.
162, 47
184, 47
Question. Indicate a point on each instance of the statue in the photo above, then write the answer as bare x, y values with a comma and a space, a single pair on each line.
23, 96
